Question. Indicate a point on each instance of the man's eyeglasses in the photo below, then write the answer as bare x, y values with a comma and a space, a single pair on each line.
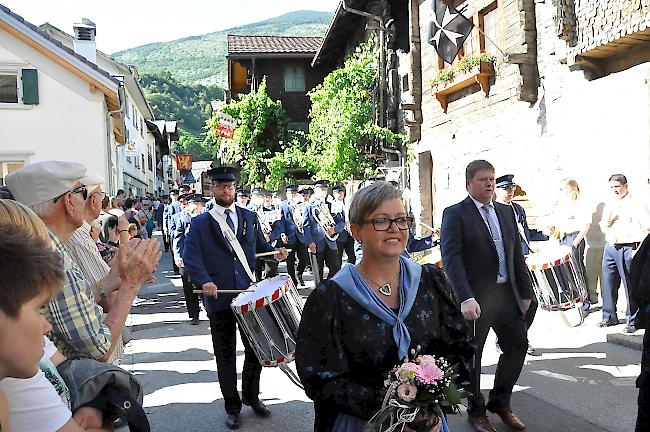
224, 186
383, 224
81, 189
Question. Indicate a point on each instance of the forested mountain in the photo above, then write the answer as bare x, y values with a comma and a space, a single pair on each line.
181, 77
203, 58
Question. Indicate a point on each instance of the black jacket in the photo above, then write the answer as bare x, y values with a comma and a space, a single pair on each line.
640, 284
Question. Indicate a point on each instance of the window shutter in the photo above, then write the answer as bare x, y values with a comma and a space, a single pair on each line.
30, 86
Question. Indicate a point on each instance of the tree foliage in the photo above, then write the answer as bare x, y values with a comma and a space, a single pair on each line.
261, 133
342, 121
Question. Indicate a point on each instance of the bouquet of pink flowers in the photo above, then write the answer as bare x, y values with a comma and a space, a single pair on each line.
419, 392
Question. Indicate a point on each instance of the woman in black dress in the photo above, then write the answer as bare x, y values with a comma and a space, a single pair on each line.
361, 323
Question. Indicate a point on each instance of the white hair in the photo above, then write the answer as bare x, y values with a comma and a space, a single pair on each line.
45, 209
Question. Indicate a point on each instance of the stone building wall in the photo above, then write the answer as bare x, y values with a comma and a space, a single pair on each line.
576, 127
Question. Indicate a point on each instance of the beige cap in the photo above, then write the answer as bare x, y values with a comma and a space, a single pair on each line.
42, 181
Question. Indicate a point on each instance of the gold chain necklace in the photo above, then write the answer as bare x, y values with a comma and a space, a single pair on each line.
384, 289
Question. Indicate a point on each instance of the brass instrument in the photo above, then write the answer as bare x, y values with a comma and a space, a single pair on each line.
321, 214
264, 223
297, 211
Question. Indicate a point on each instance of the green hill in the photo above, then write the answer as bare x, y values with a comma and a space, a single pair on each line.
202, 59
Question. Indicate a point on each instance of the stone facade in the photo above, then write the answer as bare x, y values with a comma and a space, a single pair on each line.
576, 127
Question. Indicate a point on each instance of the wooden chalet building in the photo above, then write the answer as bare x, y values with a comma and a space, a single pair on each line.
284, 61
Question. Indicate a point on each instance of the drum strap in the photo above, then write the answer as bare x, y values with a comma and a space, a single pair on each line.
232, 238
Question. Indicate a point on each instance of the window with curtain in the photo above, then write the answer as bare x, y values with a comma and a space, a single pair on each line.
294, 79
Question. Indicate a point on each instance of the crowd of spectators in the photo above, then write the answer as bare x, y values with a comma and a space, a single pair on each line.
70, 272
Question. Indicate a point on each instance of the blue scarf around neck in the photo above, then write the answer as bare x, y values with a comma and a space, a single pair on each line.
351, 281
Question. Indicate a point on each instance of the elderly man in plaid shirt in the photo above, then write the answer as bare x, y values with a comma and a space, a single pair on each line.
57, 191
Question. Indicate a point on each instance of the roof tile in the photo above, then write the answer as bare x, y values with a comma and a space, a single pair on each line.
244, 44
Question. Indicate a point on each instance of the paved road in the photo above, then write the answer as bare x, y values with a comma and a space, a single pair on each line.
579, 383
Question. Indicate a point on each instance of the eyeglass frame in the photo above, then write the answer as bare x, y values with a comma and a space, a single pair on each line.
79, 189
224, 185
408, 219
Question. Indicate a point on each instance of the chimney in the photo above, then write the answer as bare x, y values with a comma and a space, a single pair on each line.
84, 40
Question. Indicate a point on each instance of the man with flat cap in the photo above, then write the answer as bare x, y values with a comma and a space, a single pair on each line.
243, 199
219, 252
180, 227
289, 229
321, 229
505, 192
170, 210
57, 191
303, 197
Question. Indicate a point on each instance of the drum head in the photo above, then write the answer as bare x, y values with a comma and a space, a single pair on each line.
549, 257
263, 289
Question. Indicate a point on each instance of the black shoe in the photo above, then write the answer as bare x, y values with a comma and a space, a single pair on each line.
532, 351
258, 407
629, 329
607, 323
233, 421
195, 321
300, 281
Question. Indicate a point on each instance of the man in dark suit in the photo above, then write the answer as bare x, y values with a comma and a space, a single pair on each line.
212, 264
481, 252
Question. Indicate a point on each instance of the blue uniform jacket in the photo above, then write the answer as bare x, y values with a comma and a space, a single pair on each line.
160, 211
314, 233
414, 245
208, 256
531, 234
170, 210
288, 225
181, 224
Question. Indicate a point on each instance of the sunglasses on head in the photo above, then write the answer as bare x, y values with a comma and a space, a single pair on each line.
81, 189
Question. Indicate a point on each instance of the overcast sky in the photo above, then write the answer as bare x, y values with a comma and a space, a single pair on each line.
125, 24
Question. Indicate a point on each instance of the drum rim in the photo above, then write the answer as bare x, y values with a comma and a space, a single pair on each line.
266, 300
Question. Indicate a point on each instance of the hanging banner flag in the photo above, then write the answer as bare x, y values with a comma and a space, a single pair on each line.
130, 150
183, 162
226, 126
448, 30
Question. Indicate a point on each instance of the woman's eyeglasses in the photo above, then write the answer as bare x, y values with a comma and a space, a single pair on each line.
81, 189
383, 224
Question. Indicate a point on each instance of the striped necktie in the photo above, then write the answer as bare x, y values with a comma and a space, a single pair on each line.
495, 233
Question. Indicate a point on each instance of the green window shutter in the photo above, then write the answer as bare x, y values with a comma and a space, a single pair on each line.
30, 86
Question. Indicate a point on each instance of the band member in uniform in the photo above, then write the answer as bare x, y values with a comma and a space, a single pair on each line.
242, 198
301, 245
505, 192
321, 229
181, 223
212, 263
345, 241
271, 228
170, 210
481, 251
288, 234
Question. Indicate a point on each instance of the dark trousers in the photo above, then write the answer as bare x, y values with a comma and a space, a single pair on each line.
166, 241
191, 299
291, 261
643, 383
330, 257
348, 247
499, 311
303, 258
260, 263
616, 269
224, 342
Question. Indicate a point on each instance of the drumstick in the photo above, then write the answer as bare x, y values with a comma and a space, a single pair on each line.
430, 228
263, 254
223, 291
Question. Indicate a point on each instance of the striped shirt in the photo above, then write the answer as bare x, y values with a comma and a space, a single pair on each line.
76, 319
83, 250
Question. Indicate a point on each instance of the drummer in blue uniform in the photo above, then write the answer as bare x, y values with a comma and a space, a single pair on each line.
288, 234
271, 232
505, 192
211, 259
181, 224
170, 210
322, 240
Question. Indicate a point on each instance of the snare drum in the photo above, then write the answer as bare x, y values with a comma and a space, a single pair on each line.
269, 317
556, 279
